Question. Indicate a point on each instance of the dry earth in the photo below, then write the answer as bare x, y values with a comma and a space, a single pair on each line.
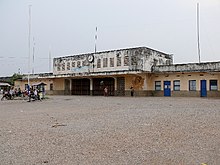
86, 130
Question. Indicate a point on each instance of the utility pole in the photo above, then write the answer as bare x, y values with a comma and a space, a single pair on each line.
96, 37
29, 47
33, 56
198, 39
49, 59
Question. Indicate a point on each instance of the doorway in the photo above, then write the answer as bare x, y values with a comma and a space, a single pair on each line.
203, 88
80, 86
167, 89
100, 83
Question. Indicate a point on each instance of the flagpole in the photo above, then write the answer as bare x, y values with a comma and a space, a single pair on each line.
198, 39
29, 47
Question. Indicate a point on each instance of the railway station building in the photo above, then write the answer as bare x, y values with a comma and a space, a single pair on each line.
146, 71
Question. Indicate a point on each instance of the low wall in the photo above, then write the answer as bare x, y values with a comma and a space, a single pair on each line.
141, 93
213, 94
145, 93
185, 93
58, 92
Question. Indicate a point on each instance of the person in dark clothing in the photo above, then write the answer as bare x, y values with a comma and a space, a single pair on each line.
132, 91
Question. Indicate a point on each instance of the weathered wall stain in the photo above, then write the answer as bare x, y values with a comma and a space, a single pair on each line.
137, 82
192, 67
132, 59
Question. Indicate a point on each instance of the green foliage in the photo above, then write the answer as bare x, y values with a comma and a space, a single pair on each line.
14, 77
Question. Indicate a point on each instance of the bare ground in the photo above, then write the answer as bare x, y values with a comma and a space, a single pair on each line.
69, 130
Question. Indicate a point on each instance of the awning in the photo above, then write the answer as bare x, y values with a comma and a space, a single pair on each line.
39, 84
4, 84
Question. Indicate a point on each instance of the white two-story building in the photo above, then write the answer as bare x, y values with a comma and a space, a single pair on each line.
148, 71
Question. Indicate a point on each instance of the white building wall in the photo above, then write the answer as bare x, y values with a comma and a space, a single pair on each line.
131, 59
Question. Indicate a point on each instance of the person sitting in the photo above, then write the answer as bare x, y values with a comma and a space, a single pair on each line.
19, 93
4, 95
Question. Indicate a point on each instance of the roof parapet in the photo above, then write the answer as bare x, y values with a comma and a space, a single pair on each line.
191, 67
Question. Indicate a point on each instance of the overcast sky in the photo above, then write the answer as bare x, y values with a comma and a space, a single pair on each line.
67, 27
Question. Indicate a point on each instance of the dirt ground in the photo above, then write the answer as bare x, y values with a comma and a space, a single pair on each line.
87, 130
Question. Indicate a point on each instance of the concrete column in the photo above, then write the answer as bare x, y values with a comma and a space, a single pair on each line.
70, 86
129, 55
91, 86
145, 82
116, 87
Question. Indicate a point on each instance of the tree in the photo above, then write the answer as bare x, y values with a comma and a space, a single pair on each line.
14, 77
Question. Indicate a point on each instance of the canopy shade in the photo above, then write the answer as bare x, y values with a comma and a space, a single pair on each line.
4, 84
39, 84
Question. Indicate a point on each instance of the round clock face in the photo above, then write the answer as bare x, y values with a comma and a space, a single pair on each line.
90, 58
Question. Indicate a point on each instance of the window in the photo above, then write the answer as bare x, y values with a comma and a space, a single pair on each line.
59, 67
68, 66
105, 62
168, 62
111, 62
176, 85
63, 66
192, 85
98, 63
73, 64
51, 86
118, 61
157, 85
213, 85
84, 63
78, 64
126, 61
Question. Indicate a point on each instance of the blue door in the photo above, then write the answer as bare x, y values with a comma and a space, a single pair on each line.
167, 90
203, 89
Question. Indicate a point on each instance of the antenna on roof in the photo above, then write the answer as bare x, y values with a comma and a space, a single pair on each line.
96, 37
198, 32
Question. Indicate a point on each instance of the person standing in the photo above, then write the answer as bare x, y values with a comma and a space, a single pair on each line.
132, 91
11, 93
43, 91
106, 91
35, 94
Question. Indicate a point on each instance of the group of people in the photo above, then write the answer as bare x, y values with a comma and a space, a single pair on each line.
12, 92
32, 94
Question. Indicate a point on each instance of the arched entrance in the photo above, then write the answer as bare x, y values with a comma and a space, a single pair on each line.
100, 83
80, 87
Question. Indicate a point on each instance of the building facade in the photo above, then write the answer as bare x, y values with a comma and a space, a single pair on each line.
195, 79
147, 71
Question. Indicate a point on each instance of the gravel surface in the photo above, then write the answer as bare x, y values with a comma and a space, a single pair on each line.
71, 130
